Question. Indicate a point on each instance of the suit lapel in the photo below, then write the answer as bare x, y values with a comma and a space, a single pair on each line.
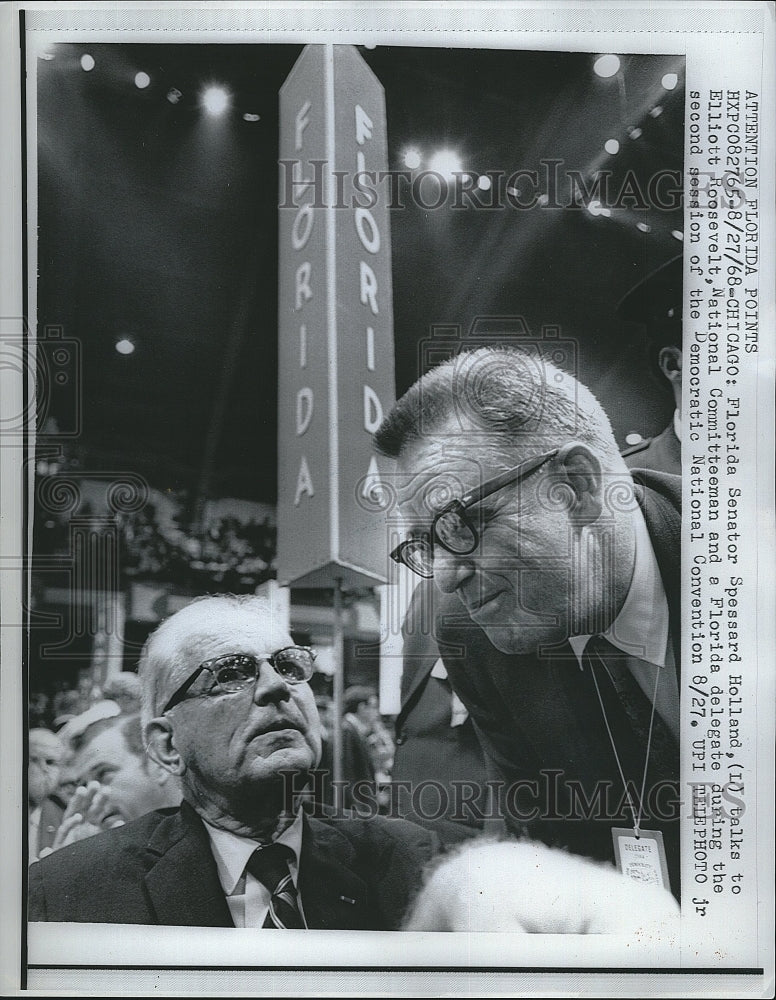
183, 885
333, 897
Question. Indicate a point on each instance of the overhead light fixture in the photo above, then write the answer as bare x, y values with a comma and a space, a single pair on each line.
87, 62
412, 158
142, 80
446, 162
634, 133
669, 81
125, 346
612, 146
484, 183
643, 227
607, 65
174, 95
215, 100
249, 116
677, 234
657, 111
46, 56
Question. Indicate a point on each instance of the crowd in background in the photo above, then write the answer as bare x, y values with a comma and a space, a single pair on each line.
88, 769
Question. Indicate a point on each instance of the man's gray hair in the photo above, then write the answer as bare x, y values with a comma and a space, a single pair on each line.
513, 395
176, 640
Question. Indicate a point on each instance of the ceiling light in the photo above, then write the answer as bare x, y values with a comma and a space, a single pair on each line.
634, 133
606, 65
87, 62
484, 183
142, 80
125, 346
657, 111
643, 227
612, 146
250, 117
446, 162
677, 234
669, 81
215, 100
412, 158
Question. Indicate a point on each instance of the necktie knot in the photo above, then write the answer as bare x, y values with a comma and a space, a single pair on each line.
269, 864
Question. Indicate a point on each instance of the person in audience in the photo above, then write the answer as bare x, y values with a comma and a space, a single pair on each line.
229, 712
656, 304
44, 813
124, 689
358, 770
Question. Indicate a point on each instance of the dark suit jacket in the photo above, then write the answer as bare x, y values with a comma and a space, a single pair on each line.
428, 748
159, 869
662, 453
356, 762
539, 720
51, 812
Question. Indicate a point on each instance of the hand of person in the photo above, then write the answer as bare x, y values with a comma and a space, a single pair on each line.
88, 812
526, 887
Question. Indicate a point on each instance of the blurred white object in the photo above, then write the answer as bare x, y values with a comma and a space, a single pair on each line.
526, 887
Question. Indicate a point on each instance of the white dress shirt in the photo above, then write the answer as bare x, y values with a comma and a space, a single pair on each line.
247, 898
641, 630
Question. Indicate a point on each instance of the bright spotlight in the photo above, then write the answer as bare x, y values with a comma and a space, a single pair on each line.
612, 146
669, 81
484, 183
87, 62
657, 111
215, 100
142, 80
634, 133
412, 158
174, 95
643, 227
249, 116
125, 346
607, 65
677, 234
447, 163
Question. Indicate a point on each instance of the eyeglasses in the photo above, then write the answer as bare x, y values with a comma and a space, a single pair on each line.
452, 528
235, 671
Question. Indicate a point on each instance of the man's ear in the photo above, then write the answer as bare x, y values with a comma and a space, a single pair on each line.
161, 747
670, 361
582, 471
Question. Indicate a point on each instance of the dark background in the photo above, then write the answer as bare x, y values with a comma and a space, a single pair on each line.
159, 223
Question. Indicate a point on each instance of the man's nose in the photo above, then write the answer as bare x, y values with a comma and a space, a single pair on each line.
270, 686
450, 570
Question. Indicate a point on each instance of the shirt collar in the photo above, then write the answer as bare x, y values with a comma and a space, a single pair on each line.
231, 852
678, 424
642, 626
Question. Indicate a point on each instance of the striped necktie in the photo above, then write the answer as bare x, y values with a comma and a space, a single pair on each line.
270, 866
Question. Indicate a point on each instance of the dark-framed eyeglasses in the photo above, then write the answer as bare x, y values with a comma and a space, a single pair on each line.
452, 528
234, 671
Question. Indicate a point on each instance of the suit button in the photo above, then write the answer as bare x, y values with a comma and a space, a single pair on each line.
401, 739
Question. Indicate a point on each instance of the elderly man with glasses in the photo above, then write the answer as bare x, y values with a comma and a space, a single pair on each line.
228, 710
555, 570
